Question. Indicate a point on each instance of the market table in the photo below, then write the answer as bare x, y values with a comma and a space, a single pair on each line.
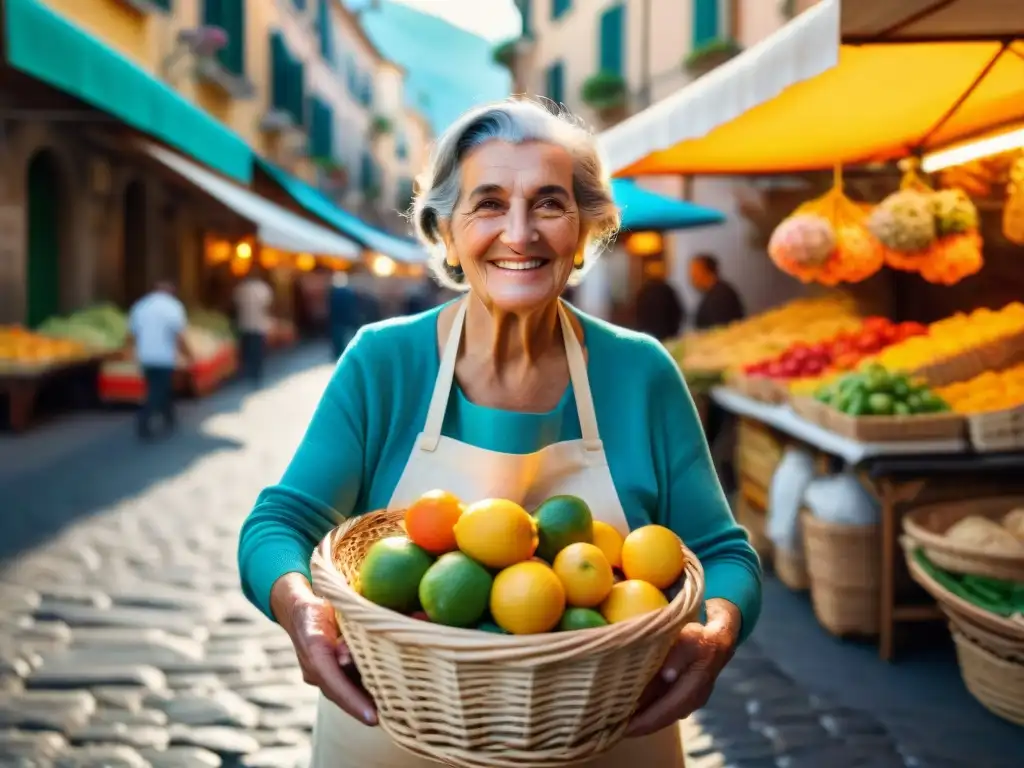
22, 385
895, 473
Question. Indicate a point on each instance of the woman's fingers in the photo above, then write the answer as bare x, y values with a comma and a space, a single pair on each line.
322, 662
684, 697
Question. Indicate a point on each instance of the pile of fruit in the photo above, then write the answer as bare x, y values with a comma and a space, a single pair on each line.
216, 323
843, 352
493, 566
990, 391
953, 336
874, 391
102, 328
762, 336
22, 350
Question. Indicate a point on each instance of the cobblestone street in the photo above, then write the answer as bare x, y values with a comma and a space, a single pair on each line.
125, 642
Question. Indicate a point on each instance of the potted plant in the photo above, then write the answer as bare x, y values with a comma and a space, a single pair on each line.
334, 172
605, 93
709, 55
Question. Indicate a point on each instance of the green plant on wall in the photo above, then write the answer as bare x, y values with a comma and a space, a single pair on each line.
380, 125
711, 54
504, 54
371, 191
604, 91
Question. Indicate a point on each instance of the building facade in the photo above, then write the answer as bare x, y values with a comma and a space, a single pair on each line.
608, 59
295, 81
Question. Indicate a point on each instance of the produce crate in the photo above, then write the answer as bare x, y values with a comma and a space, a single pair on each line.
997, 431
991, 356
758, 452
760, 388
809, 409
887, 429
844, 569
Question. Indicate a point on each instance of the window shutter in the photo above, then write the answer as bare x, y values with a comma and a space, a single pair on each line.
611, 44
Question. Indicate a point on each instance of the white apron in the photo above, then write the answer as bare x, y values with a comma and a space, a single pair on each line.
576, 467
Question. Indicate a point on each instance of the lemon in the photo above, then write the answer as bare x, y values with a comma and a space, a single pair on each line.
527, 598
497, 533
585, 574
609, 541
653, 554
631, 598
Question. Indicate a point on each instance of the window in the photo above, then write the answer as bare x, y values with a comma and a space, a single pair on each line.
287, 80
368, 172
324, 31
321, 131
706, 22
525, 11
229, 15
401, 147
559, 8
300, 5
612, 41
555, 86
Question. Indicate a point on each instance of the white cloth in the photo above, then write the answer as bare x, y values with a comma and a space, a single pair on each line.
577, 467
253, 299
156, 320
841, 499
785, 497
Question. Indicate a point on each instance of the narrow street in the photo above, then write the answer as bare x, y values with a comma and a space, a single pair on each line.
125, 642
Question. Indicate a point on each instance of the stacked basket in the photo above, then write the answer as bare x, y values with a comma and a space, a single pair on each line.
477, 700
989, 640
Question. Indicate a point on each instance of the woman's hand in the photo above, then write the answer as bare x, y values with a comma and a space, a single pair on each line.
688, 676
310, 623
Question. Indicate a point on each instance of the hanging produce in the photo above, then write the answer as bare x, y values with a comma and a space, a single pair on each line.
931, 232
825, 240
1013, 211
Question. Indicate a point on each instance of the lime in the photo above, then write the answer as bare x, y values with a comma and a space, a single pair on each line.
581, 618
455, 590
561, 521
490, 626
391, 571
880, 404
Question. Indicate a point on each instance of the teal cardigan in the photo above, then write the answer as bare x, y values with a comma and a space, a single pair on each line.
375, 405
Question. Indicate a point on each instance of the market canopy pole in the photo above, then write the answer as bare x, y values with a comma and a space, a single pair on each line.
918, 75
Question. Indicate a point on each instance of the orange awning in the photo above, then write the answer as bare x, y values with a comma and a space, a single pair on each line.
908, 75
879, 103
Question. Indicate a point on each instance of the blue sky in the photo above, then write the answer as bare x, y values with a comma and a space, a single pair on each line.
499, 22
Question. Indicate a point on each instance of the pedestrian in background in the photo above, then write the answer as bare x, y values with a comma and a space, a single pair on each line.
253, 299
659, 310
720, 303
156, 327
345, 316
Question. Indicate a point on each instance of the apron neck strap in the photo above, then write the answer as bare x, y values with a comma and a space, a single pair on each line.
446, 377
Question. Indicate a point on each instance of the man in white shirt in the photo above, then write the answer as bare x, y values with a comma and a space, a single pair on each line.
253, 301
157, 324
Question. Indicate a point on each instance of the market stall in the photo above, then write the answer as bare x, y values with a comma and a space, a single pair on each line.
850, 425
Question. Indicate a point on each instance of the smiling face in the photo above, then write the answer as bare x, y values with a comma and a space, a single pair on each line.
516, 228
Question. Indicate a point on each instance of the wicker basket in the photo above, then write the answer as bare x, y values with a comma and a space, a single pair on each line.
927, 526
844, 570
997, 682
791, 568
997, 431
758, 452
473, 699
811, 410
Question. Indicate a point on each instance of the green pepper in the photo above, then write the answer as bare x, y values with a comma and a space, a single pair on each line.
858, 405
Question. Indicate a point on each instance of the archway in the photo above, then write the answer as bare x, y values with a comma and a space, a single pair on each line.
45, 201
134, 257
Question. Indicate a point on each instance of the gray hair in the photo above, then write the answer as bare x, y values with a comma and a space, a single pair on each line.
516, 121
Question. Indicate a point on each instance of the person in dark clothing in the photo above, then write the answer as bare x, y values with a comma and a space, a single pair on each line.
721, 303
719, 306
344, 312
659, 310
421, 298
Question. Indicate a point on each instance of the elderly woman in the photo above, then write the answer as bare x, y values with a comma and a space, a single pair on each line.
514, 204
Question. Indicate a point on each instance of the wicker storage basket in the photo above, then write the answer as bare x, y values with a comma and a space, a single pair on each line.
997, 431
844, 570
472, 699
758, 452
927, 525
997, 682
791, 568
811, 410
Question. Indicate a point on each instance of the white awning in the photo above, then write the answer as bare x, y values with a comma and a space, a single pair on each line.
804, 48
276, 227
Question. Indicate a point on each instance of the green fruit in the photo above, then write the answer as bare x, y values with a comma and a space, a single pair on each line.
880, 404
901, 409
914, 403
561, 521
901, 389
391, 571
455, 590
581, 618
490, 626
858, 405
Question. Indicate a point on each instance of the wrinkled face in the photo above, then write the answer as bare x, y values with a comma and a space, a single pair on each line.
516, 228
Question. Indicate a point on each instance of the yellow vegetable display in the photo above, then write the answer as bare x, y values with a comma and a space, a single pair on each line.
991, 391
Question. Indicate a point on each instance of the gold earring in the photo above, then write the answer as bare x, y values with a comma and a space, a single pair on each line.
577, 260
451, 260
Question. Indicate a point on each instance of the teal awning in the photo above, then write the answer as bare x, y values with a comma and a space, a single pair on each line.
45, 45
317, 203
645, 210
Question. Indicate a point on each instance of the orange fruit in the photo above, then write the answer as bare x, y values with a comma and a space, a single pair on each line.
430, 521
585, 574
609, 541
653, 554
527, 598
497, 533
631, 598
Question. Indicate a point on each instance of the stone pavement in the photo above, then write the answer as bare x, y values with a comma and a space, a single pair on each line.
124, 640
